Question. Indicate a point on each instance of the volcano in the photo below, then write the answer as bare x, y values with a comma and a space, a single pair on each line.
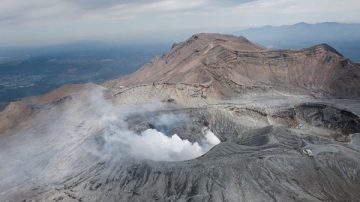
217, 118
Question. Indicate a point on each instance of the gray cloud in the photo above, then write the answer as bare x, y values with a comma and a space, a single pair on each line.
107, 3
47, 21
18, 11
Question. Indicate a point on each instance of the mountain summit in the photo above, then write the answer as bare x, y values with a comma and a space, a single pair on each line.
228, 64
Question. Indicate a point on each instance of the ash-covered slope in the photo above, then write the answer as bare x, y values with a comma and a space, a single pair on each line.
228, 64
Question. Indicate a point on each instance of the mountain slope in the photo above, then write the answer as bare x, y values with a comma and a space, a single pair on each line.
227, 64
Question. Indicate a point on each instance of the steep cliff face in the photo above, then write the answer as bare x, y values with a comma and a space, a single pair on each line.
227, 63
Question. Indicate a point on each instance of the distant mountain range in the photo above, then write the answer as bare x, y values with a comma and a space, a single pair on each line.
344, 37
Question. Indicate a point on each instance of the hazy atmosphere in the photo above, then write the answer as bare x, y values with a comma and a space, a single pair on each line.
179, 100
38, 22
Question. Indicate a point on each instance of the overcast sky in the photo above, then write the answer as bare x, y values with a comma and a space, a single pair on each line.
29, 22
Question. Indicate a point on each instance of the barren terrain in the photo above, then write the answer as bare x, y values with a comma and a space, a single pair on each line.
218, 118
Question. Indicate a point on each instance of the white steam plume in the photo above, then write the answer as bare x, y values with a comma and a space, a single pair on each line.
154, 145
68, 138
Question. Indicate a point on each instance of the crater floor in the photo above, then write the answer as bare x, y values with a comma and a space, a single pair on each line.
71, 153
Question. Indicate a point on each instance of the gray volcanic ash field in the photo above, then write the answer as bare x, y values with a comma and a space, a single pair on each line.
218, 118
